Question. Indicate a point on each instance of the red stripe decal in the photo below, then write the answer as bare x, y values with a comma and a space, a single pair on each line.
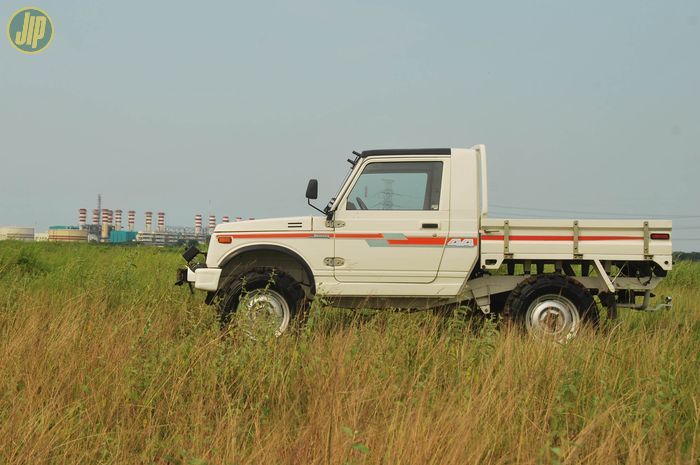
609, 238
563, 238
433, 241
418, 241
285, 235
268, 235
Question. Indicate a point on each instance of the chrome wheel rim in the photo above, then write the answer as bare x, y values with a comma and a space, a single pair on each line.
553, 317
265, 309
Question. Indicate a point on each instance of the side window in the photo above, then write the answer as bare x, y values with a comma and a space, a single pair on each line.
397, 186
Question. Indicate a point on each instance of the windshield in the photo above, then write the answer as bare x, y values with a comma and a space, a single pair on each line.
331, 202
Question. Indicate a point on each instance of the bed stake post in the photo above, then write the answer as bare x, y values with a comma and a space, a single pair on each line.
576, 235
506, 240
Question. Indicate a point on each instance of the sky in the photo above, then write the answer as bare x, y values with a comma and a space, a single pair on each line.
587, 109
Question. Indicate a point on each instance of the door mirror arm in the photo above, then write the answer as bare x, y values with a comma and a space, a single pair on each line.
315, 207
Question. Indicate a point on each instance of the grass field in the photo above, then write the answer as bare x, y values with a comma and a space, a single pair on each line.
102, 360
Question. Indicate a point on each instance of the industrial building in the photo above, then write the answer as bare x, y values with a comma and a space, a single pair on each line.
16, 233
67, 234
106, 227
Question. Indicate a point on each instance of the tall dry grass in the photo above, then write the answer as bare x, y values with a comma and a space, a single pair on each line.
103, 361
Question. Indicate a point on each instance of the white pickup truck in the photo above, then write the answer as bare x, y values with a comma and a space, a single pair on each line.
410, 229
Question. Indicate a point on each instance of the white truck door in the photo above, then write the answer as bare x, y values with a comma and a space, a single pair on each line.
393, 221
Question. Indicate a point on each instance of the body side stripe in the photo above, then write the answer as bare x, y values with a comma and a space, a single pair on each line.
372, 239
561, 238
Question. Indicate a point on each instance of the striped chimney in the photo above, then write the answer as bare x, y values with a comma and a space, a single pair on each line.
95, 216
105, 224
224, 219
132, 219
82, 217
161, 222
212, 223
198, 224
118, 220
149, 221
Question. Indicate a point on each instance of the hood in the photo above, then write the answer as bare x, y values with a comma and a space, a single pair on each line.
292, 223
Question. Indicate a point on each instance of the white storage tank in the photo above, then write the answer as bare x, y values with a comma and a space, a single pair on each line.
16, 233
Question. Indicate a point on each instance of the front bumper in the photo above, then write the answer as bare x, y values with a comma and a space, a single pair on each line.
203, 278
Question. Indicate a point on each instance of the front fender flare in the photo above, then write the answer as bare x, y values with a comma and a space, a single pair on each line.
273, 248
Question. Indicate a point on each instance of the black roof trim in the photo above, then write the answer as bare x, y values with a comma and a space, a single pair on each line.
367, 153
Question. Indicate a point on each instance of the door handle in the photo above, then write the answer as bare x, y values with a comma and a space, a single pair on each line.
430, 226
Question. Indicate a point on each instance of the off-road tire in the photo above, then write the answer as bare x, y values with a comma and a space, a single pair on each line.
528, 291
260, 278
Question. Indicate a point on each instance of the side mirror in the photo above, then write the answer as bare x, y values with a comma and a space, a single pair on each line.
312, 189
312, 194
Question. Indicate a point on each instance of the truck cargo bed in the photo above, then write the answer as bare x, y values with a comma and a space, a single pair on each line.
564, 239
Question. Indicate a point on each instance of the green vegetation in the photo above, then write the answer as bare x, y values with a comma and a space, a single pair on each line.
104, 361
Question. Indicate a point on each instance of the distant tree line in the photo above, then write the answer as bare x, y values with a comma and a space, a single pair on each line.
690, 256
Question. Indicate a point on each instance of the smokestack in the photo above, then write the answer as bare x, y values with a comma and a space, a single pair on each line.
224, 219
95, 216
105, 224
197, 224
149, 221
118, 220
82, 217
132, 219
212, 223
161, 222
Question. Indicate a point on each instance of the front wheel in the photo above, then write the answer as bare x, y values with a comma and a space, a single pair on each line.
265, 299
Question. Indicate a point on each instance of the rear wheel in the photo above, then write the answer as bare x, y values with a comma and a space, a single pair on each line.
266, 300
552, 307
